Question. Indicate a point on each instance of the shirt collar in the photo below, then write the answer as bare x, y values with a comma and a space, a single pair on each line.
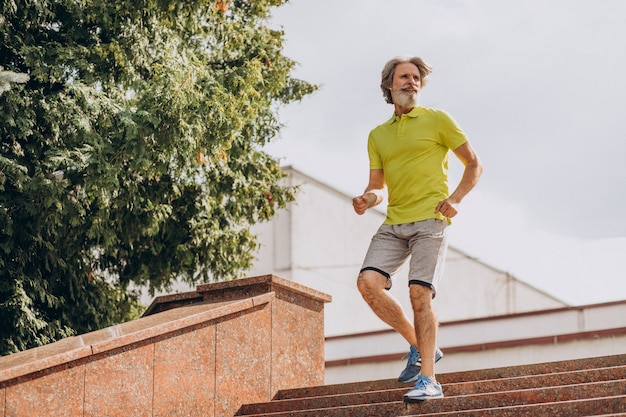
413, 114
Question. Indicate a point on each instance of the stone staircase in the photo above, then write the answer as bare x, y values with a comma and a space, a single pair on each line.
585, 387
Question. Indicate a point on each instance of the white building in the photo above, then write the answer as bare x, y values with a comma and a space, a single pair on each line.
488, 317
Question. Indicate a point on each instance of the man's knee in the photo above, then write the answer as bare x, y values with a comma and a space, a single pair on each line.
421, 296
370, 282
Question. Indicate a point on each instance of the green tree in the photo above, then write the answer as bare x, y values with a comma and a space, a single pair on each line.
133, 153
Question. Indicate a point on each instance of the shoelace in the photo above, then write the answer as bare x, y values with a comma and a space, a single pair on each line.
414, 358
421, 383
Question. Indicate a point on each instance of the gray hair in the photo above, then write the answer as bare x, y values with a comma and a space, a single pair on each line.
390, 68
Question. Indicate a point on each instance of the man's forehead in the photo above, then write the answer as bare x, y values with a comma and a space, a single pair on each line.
407, 67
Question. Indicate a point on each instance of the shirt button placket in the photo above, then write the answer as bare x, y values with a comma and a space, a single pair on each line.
401, 125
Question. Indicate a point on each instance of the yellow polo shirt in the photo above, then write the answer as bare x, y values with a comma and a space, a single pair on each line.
412, 150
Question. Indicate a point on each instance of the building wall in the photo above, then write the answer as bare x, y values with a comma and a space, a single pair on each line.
483, 359
507, 340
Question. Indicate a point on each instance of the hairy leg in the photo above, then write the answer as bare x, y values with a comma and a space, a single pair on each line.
371, 284
426, 325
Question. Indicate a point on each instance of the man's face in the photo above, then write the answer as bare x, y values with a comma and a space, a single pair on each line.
406, 85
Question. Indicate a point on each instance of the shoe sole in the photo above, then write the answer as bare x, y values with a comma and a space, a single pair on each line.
420, 399
406, 381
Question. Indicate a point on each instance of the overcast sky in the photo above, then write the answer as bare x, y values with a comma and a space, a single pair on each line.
537, 85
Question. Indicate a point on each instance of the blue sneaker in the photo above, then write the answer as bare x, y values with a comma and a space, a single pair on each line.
414, 364
424, 389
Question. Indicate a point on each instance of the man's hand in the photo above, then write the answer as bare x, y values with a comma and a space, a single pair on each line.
447, 208
360, 204
473, 170
370, 196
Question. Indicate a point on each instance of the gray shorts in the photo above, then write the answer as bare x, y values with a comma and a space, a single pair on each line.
424, 241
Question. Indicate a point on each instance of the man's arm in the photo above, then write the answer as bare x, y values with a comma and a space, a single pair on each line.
372, 195
473, 170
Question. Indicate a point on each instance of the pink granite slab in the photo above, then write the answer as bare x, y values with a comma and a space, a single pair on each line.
184, 366
243, 375
298, 361
58, 393
253, 286
43, 357
119, 383
161, 324
173, 301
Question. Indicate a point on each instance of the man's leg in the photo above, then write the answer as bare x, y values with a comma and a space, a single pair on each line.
372, 284
426, 325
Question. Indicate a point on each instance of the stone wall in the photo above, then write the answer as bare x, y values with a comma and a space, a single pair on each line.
203, 353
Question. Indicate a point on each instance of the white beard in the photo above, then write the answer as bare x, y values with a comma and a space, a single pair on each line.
404, 98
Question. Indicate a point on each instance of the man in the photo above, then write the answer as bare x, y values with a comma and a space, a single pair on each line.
409, 155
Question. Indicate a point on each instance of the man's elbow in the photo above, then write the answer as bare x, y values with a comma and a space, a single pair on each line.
476, 167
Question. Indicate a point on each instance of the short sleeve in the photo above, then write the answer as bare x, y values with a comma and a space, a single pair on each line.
451, 135
374, 157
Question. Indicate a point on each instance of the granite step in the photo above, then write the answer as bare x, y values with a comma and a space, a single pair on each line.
536, 381
596, 407
368, 404
450, 390
595, 386
462, 376
574, 408
542, 395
